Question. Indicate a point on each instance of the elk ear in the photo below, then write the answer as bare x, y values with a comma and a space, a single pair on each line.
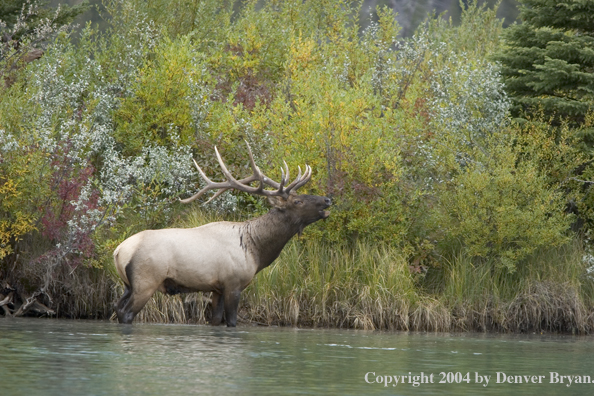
278, 202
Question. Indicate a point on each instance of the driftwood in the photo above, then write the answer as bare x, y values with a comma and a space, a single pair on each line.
30, 305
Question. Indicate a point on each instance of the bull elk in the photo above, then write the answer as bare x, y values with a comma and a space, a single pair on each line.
221, 257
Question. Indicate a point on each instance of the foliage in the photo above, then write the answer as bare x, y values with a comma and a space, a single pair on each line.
78, 179
548, 60
26, 26
157, 109
411, 138
22, 17
547, 66
18, 169
499, 205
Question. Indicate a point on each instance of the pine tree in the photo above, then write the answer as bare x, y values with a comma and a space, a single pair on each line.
548, 61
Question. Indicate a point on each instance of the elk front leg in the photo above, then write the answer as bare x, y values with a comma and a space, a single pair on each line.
217, 309
231, 305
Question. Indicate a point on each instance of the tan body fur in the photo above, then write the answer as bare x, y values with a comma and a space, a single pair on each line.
209, 257
221, 257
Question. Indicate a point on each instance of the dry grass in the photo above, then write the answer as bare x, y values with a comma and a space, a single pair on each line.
370, 287
188, 308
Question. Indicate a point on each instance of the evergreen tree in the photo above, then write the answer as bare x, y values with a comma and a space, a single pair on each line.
548, 61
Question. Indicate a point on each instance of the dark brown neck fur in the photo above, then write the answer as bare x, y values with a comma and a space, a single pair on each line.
266, 236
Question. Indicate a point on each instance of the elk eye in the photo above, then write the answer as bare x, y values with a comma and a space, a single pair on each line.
297, 202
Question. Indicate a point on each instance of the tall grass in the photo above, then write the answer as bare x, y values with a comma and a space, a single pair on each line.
551, 291
312, 284
366, 286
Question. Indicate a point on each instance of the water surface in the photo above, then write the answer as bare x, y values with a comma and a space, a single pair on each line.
64, 357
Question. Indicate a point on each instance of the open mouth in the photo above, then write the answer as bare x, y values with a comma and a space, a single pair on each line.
325, 213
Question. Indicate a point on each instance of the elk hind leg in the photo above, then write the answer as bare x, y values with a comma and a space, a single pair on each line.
217, 308
133, 305
121, 304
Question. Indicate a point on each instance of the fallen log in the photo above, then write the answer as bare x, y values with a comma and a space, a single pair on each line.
11, 306
31, 304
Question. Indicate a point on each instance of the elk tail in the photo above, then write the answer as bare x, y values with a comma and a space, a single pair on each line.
122, 268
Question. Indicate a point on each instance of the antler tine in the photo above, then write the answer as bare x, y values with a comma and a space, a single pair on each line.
223, 186
301, 181
201, 172
258, 175
209, 186
286, 180
292, 185
218, 193
226, 172
243, 184
283, 181
201, 192
261, 176
252, 162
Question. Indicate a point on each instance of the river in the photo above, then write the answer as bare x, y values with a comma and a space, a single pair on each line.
68, 357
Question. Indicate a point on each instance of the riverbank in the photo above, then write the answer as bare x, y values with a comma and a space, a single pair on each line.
364, 286
367, 286
540, 307
373, 286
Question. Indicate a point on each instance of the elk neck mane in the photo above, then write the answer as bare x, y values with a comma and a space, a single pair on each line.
265, 236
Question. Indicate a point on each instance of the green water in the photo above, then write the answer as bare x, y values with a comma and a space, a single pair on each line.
61, 357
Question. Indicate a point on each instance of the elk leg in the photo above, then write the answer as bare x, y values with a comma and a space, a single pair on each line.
126, 315
133, 305
231, 305
217, 309
119, 307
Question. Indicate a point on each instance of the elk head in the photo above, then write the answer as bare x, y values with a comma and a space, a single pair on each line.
302, 209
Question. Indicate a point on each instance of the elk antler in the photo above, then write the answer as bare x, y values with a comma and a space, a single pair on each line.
243, 184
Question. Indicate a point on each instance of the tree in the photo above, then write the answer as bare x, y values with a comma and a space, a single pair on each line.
548, 61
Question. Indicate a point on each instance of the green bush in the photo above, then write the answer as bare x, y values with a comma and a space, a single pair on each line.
500, 205
157, 110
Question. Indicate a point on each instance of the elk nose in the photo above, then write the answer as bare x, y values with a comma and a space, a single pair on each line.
328, 201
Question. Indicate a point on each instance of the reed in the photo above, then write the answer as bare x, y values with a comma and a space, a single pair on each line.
311, 284
364, 286
551, 292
